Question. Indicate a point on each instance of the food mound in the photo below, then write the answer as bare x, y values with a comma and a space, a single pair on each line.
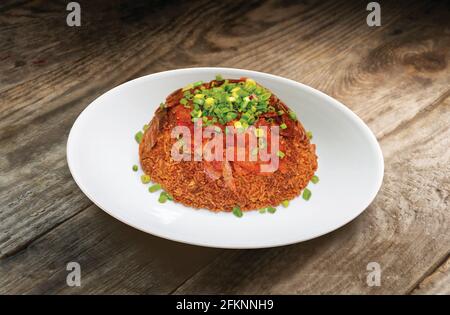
230, 107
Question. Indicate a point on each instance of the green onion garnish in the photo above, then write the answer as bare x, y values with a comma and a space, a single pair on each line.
135, 168
183, 101
309, 135
315, 179
237, 212
306, 194
138, 136
292, 115
162, 197
285, 203
187, 94
145, 179
219, 77
226, 101
263, 210
281, 154
154, 188
283, 126
271, 209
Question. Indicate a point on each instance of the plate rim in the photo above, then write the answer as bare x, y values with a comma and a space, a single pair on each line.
340, 106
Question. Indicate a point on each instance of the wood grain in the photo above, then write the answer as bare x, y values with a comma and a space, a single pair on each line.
114, 258
395, 77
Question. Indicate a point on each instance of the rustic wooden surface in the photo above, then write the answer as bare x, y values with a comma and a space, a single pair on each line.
395, 77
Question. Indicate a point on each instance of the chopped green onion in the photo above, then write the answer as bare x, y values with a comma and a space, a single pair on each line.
315, 179
199, 96
162, 105
306, 194
225, 101
280, 112
271, 209
162, 197
237, 212
285, 203
281, 154
145, 127
283, 126
138, 136
169, 197
259, 132
187, 94
209, 102
292, 115
263, 210
250, 82
145, 179
262, 143
309, 135
135, 168
183, 101
154, 188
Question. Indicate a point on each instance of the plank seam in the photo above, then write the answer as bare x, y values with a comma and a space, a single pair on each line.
434, 268
172, 292
433, 105
25, 245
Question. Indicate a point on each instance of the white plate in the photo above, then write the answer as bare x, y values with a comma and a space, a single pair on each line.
101, 151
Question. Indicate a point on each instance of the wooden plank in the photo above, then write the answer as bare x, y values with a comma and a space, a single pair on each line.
405, 230
436, 283
46, 81
114, 258
340, 64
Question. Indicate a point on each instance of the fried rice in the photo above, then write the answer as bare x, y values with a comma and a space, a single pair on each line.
223, 185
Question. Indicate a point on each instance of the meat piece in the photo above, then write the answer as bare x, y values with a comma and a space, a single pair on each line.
228, 175
174, 98
151, 134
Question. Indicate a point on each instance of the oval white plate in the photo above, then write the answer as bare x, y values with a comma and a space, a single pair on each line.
101, 151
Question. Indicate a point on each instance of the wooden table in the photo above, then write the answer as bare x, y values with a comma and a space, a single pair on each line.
396, 77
